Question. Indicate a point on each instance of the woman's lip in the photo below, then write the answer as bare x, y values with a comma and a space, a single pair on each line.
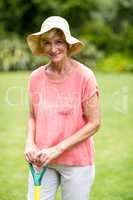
53, 55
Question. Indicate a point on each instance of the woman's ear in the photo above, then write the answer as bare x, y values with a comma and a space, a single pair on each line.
42, 46
41, 43
69, 46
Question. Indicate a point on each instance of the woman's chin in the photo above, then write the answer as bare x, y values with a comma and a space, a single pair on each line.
56, 59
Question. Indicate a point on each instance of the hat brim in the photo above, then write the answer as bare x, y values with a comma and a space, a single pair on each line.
34, 42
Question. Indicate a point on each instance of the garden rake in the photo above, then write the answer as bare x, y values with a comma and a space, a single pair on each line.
37, 177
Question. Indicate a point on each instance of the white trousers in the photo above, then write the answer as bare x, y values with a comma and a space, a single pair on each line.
75, 182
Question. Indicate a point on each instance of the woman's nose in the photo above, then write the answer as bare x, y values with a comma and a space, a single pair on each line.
53, 47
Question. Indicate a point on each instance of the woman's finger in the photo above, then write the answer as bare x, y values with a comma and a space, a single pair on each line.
27, 157
37, 160
39, 153
46, 162
30, 156
43, 157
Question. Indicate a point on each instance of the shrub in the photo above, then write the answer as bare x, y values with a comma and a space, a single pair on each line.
90, 55
116, 63
15, 55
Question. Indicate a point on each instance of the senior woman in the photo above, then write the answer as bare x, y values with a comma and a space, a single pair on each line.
64, 114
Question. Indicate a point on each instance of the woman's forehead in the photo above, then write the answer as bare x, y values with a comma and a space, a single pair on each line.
54, 37
54, 33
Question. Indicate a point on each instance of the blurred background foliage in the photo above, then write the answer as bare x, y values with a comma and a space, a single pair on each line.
105, 26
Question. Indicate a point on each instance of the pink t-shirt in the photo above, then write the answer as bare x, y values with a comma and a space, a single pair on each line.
58, 108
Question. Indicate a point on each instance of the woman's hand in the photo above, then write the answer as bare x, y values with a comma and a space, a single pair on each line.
31, 153
46, 155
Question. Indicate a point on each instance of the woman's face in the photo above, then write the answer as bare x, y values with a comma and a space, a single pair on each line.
55, 48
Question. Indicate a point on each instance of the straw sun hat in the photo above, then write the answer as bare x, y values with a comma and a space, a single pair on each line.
34, 40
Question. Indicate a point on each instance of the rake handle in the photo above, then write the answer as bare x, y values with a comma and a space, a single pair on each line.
37, 176
37, 190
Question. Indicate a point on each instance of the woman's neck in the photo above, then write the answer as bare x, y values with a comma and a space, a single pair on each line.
61, 67
64, 70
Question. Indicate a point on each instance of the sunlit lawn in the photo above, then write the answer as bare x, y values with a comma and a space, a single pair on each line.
114, 142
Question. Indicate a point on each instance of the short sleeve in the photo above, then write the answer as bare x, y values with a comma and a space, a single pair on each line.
30, 85
33, 82
90, 87
33, 89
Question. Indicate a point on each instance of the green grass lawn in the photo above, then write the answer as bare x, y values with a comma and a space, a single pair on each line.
113, 143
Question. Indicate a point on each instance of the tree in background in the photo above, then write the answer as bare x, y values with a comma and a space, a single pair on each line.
106, 26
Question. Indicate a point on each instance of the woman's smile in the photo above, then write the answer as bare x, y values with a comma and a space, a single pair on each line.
54, 54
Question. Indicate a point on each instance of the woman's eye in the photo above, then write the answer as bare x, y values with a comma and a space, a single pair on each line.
45, 42
59, 41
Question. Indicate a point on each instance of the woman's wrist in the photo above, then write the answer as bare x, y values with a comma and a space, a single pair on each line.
60, 148
30, 143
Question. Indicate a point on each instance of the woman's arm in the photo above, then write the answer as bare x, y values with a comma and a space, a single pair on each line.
91, 108
31, 124
30, 147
